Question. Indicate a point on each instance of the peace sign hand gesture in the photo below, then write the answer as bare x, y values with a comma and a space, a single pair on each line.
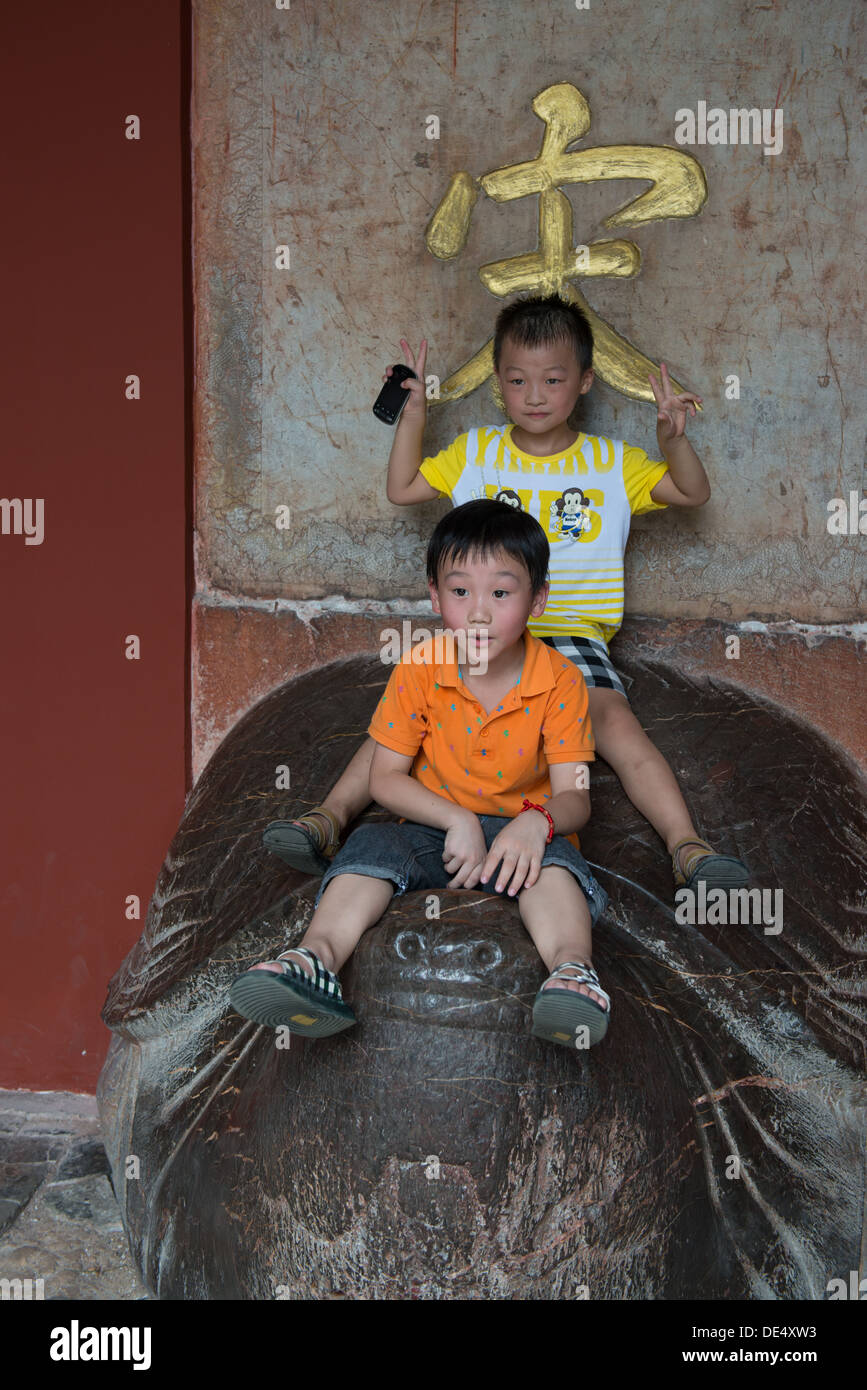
671, 408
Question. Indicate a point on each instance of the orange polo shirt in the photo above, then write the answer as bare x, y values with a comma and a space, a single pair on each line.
488, 762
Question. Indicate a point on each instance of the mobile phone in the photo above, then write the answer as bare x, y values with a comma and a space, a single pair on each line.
392, 398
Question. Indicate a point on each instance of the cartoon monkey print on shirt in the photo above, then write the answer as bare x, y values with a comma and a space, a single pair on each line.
510, 498
570, 514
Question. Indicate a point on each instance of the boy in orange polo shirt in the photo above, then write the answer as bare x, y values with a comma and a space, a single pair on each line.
482, 744
584, 491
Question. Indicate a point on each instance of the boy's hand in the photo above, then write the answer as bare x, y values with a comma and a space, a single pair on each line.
464, 851
416, 406
671, 408
521, 847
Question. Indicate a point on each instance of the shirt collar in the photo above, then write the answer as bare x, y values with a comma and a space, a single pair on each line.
544, 458
537, 674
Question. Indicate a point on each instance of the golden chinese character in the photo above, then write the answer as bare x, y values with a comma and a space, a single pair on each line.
678, 189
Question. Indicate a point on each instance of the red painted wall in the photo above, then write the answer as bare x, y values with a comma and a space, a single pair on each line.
93, 747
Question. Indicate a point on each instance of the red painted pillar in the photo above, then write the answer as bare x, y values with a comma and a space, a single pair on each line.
93, 746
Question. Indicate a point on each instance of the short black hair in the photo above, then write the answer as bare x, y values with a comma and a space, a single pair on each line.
483, 528
538, 321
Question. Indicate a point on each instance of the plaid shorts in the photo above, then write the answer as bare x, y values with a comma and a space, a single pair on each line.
591, 658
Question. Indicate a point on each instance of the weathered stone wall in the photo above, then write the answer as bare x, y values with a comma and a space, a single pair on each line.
310, 132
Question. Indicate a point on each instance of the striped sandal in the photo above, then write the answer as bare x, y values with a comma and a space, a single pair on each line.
313, 1007
559, 1013
704, 865
304, 843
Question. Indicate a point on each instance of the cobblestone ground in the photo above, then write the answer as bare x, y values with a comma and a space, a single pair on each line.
59, 1221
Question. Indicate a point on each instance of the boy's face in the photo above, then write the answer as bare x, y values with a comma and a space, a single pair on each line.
541, 385
491, 596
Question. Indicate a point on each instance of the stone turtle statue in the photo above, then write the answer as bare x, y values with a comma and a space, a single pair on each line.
710, 1147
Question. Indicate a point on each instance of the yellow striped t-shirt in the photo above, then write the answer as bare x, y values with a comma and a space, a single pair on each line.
584, 499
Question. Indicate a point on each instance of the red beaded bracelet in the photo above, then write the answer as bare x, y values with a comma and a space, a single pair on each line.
531, 806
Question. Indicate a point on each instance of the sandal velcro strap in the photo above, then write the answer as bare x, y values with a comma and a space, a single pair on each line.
313, 1006
324, 983
702, 849
326, 845
568, 1017
585, 975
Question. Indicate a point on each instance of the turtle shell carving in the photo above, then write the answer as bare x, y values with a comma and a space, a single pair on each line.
710, 1147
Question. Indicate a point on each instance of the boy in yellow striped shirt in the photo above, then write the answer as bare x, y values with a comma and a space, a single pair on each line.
583, 490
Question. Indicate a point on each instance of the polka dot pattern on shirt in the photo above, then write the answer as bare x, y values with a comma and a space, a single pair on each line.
424, 713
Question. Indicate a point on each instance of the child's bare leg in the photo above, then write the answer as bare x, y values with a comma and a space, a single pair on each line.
557, 917
646, 777
350, 904
350, 793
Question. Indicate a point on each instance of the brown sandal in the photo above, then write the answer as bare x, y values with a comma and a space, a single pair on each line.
304, 843
704, 865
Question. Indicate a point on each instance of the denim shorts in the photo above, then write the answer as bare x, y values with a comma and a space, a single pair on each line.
411, 856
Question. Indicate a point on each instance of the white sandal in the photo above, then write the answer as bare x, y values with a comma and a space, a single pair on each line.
312, 1007
559, 1014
